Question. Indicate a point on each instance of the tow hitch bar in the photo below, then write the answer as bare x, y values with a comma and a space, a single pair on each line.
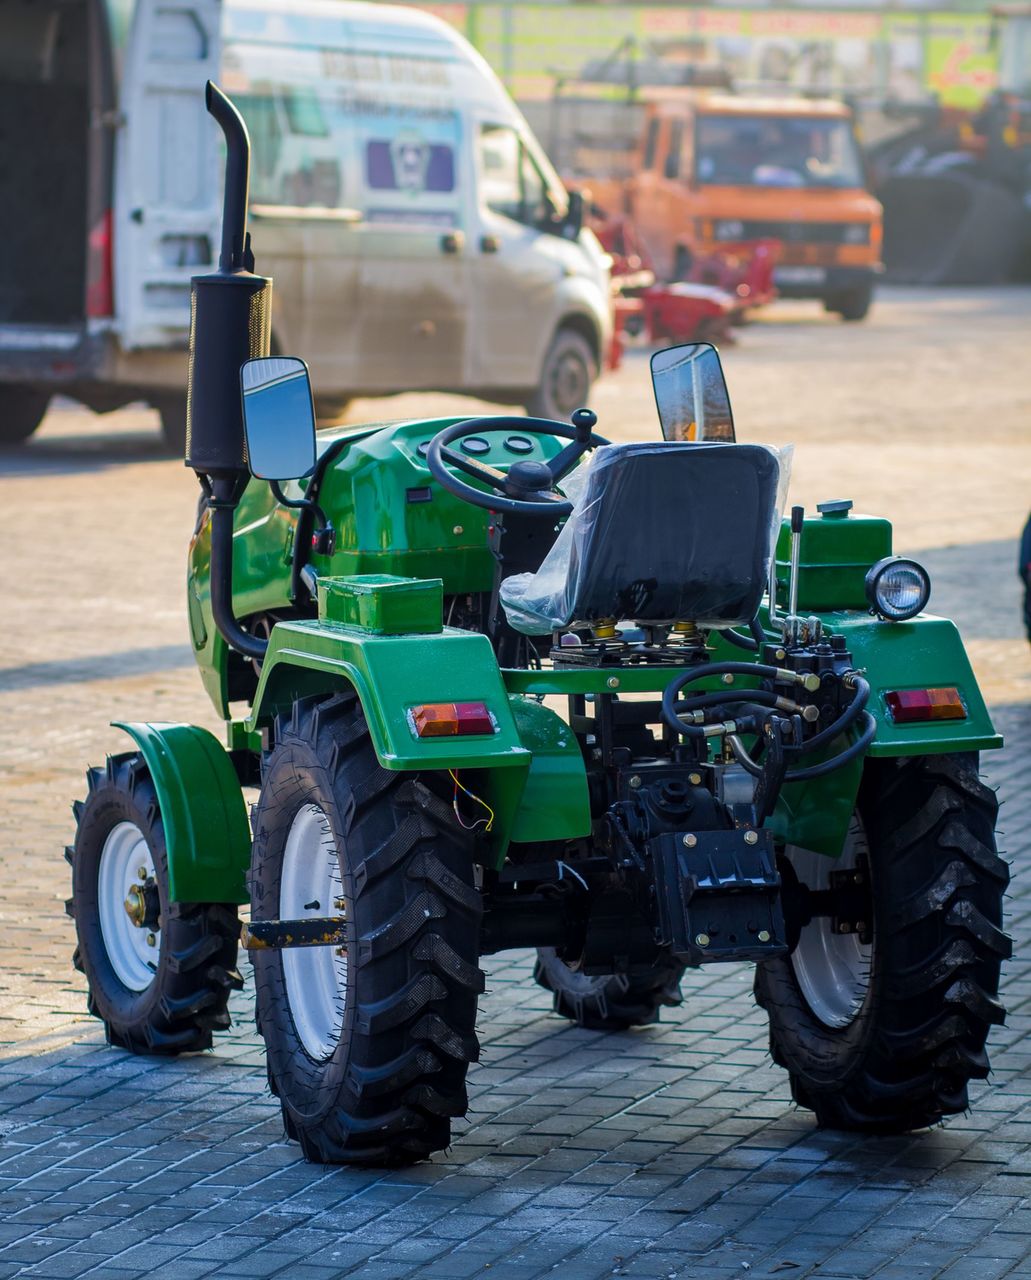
274, 935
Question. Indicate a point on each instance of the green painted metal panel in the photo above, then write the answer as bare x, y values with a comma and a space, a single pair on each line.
554, 803
202, 808
391, 675
816, 815
837, 550
383, 604
925, 653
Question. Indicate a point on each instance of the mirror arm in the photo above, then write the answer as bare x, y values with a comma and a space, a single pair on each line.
223, 506
300, 504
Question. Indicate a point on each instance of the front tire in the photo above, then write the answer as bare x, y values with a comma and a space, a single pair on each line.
367, 1051
854, 304
884, 1036
567, 375
159, 979
22, 409
610, 1002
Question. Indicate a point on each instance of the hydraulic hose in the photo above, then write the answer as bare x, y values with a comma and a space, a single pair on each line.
222, 584
842, 758
843, 721
758, 637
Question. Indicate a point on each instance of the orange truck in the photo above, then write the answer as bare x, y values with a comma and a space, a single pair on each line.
715, 172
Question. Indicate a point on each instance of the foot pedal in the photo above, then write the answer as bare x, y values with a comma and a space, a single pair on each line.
718, 895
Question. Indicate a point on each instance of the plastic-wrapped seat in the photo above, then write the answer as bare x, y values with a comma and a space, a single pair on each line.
660, 532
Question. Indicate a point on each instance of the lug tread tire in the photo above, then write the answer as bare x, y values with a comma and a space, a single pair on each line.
397, 1078
196, 972
613, 1002
938, 885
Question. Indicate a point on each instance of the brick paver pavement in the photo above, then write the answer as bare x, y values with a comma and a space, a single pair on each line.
672, 1151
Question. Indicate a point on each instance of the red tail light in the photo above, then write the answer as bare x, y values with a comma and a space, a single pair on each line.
451, 719
100, 301
910, 706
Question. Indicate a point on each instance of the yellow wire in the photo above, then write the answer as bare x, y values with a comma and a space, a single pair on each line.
483, 803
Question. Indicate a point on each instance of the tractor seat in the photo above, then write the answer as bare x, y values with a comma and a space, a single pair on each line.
661, 532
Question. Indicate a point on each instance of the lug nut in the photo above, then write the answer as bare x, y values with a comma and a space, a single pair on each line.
152, 940
702, 939
339, 903
844, 927
690, 840
635, 781
751, 837
141, 873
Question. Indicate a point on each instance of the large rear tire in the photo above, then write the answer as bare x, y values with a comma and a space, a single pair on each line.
610, 1002
367, 1051
22, 409
884, 1035
158, 979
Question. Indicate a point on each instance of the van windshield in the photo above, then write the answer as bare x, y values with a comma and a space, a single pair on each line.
776, 151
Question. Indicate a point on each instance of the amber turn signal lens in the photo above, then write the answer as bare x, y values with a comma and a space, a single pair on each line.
910, 706
451, 719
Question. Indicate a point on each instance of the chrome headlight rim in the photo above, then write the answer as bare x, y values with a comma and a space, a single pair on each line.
883, 607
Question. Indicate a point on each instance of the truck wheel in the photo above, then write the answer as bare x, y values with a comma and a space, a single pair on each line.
159, 972
854, 304
568, 371
883, 1035
609, 1002
172, 411
22, 409
367, 1051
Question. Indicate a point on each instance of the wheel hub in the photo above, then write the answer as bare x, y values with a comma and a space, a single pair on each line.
129, 906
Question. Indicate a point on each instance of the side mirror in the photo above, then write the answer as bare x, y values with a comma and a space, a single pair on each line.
691, 394
278, 417
573, 222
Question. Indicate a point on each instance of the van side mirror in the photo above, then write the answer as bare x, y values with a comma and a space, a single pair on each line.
691, 393
278, 417
573, 222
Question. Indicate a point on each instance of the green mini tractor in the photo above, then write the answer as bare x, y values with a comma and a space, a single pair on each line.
498, 683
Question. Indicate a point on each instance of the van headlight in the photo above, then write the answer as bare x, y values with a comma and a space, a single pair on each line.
729, 229
856, 233
898, 589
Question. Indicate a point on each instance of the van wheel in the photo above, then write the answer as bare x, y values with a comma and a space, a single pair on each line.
21, 411
567, 374
159, 972
683, 261
172, 410
368, 1045
612, 1001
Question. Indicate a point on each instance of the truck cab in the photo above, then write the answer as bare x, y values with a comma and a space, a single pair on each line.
717, 171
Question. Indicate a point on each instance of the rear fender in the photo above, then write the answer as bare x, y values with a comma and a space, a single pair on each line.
925, 653
202, 809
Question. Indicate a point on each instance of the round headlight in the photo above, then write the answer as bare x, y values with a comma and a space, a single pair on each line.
897, 589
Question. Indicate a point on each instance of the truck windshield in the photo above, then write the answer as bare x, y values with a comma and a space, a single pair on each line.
776, 151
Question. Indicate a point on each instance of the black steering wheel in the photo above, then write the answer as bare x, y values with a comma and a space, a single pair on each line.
528, 487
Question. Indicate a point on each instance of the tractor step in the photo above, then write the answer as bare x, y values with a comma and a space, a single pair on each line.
718, 895
274, 935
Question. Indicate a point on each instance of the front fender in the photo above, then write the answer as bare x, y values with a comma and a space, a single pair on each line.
202, 808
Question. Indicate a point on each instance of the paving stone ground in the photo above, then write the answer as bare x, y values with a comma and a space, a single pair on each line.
668, 1152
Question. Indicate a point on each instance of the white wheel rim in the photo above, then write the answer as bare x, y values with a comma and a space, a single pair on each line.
125, 862
832, 969
316, 977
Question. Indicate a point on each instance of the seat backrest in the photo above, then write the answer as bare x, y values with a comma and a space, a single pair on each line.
674, 531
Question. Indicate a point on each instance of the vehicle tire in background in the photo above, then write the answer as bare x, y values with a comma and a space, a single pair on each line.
854, 304
884, 1035
567, 375
22, 409
159, 972
172, 411
610, 1002
367, 1049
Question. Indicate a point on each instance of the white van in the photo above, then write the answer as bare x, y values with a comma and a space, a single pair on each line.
418, 237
